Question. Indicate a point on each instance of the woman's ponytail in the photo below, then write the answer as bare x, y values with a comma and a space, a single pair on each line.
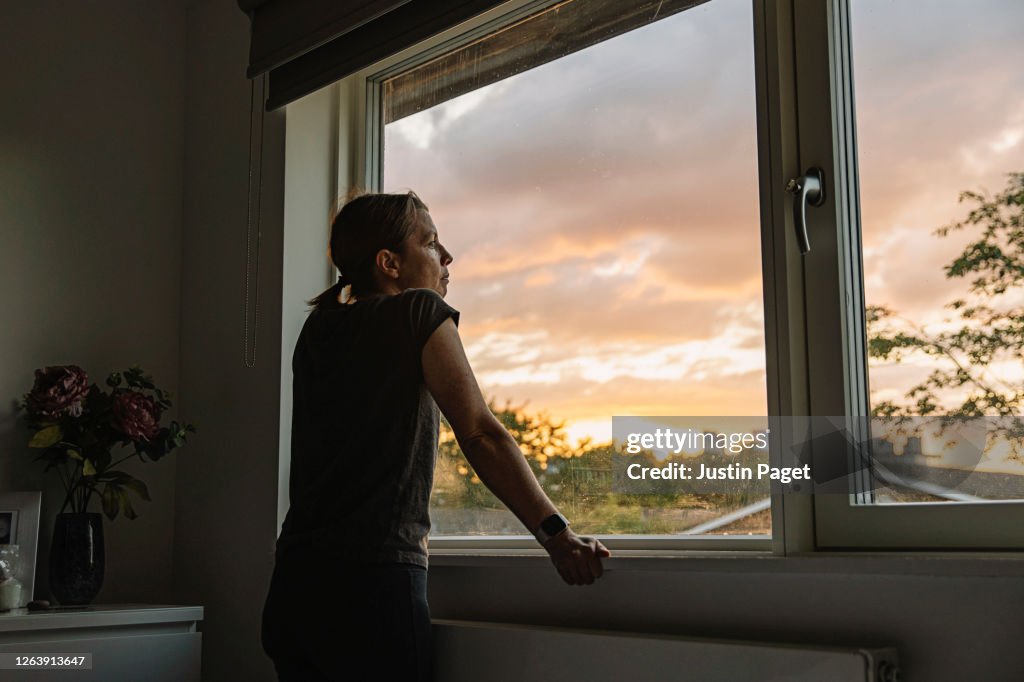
329, 295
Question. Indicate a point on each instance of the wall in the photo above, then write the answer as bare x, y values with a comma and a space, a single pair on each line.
227, 487
310, 191
949, 620
91, 139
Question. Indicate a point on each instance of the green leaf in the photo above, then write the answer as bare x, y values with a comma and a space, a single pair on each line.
126, 506
75, 454
88, 469
138, 378
110, 501
46, 438
139, 488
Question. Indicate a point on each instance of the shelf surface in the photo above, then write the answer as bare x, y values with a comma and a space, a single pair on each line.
97, 615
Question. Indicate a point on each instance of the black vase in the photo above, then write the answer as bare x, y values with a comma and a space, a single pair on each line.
76, 558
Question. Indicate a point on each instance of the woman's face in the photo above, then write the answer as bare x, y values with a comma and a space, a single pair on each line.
424, 261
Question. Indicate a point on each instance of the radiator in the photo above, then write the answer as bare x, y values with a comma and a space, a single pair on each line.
467, 651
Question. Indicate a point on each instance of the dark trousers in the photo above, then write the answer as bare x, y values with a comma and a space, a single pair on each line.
325, 619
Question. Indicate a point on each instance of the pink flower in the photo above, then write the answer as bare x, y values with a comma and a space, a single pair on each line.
136, 415
58, 391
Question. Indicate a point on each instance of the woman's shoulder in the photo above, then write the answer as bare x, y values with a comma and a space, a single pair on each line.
416, 302
421, 293
424, 299
425, 310
394, 300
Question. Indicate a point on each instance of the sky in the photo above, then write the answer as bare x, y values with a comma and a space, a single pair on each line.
603, 209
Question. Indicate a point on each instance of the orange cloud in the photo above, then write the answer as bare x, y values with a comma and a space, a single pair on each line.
603, 209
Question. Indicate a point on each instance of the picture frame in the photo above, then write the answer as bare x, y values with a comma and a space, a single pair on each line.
20, 511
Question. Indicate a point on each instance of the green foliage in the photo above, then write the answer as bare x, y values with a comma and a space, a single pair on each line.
578, 479
990, 318
46, 437
558, 466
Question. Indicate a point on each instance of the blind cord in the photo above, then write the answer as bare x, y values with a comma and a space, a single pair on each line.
255, 140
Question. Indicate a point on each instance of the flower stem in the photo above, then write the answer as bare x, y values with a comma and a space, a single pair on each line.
69, 489
111, 466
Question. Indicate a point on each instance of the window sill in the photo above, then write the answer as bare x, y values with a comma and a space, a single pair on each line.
657, 543
952, 564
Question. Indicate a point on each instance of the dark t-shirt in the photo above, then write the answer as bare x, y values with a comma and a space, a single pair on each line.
364, 429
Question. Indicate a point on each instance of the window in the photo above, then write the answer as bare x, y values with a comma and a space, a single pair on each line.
597, 274
940, 346
938, 111
610, 177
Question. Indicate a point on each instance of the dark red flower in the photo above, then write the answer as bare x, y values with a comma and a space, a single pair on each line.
136, 415
58, 391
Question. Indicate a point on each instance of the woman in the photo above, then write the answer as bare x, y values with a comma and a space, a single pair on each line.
348, 597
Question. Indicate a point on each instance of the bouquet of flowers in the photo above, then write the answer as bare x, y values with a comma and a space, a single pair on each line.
77, 427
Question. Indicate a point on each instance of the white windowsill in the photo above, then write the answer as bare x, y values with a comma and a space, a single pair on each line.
993, 564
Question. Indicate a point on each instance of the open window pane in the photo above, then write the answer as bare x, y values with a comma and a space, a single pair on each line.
602, 210
940, 112
937, 104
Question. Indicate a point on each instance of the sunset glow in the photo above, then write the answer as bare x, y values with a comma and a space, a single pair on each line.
603, 208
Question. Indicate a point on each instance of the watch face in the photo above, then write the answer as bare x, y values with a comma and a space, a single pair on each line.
553, 524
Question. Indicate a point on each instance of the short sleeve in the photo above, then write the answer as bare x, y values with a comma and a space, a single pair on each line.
426, 311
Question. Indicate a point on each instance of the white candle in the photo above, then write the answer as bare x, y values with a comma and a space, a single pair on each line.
10, 594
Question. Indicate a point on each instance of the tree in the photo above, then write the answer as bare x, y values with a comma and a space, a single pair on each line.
990, 324
543, 442
578, 479
991, 317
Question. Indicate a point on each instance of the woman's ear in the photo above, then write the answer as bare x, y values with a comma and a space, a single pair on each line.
389, 263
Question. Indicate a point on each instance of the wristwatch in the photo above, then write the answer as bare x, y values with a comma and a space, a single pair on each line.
550, 527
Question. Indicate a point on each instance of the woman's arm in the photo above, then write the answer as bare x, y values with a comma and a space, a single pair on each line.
495, 455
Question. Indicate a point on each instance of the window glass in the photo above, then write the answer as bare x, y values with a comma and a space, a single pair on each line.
940, 135
602, 211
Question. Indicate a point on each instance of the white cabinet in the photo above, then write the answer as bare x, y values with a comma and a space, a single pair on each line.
128, 642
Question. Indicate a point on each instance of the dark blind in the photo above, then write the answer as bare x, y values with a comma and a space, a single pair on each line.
555, 32
307, 44
285, 29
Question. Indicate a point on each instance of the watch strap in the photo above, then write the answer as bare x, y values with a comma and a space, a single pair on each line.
556, 524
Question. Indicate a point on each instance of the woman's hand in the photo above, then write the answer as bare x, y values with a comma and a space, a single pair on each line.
578, 559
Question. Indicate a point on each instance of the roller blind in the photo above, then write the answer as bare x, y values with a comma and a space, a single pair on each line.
285, 29
565, 27
307, 44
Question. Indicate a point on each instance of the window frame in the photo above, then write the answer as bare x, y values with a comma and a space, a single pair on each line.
367, 134
835, 304
810, 302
